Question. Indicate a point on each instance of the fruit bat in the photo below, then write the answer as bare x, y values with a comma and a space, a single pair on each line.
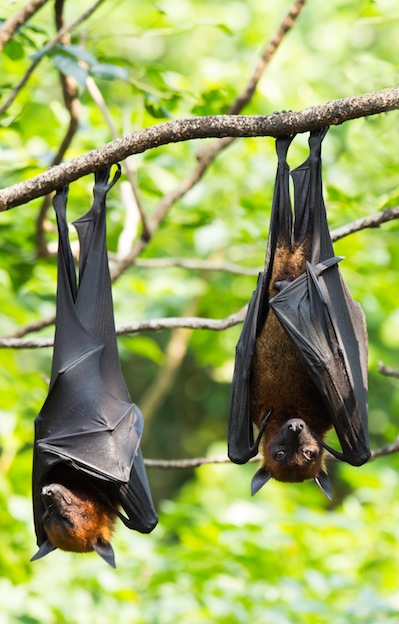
301, 360
87, 463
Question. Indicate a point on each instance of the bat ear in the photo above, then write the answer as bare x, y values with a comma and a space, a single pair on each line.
324, 482
46, 548
105, 550
259, 479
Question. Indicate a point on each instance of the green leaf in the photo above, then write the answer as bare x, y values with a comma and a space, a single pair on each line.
108, 72
79, 53
14, 50
146, 348
154, 106
69, 67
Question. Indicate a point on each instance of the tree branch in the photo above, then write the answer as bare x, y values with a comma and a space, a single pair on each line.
72, 104
388, 371
208, 154
195, 462
371, 221
188, 322
14, 23
43, 52
200, 265
334, 112
127, 169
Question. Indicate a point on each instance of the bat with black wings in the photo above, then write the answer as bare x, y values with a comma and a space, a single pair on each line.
87, 463
301, 360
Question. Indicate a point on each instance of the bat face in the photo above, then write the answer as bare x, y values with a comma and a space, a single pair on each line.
292, 453
77, 519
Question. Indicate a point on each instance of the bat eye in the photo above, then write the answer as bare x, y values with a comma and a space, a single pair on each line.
309, 454
279, 455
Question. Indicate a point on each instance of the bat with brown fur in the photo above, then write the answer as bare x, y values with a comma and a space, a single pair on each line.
87, 461
301, 360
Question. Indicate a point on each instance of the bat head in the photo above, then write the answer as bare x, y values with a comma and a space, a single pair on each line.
292, 454
77, 521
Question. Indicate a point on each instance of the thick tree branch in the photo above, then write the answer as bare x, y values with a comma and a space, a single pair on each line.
10, 26
334, 112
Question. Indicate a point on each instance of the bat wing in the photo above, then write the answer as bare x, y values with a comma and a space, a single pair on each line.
241, 436
88, 420
327, 330
241, 444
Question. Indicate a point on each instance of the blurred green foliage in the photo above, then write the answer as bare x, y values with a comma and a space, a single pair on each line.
217, 555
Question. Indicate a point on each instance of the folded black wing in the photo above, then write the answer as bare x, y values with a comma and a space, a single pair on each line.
241, 444
328, 332
88, 420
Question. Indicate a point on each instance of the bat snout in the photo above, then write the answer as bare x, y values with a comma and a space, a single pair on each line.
293, 433
55, 493
295, 425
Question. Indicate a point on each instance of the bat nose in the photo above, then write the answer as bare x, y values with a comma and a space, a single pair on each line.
55, 491
292, 432
295, 425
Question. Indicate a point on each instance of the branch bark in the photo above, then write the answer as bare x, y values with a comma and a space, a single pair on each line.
10, 26
66, 29
334, 112
195, 462
188, 322
388, 371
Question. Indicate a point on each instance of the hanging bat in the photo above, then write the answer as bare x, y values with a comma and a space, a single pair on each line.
301, 360
87, 462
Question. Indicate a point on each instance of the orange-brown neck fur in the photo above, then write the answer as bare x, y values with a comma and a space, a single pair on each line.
279, 382
76, 517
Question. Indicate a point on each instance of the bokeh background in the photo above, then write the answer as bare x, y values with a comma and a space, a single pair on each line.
287, 556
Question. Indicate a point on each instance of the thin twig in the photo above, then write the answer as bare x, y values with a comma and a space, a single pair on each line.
43, 52
372, 221
175, 352
334, 112
195, 462
188, 322
14, 23
72, 104
206, 156
127, 169
389, 449
200, 265
388, 371
209, 153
